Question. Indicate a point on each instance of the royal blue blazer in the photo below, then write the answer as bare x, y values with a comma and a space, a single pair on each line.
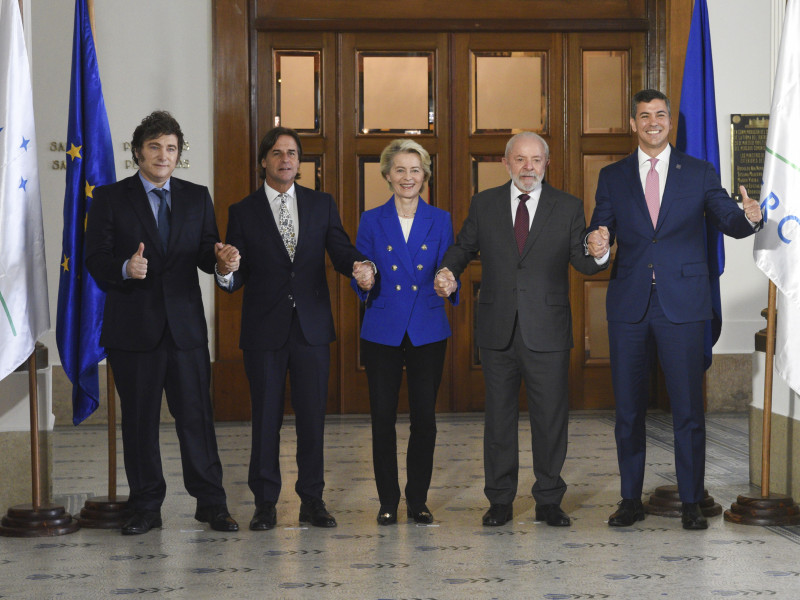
403, 299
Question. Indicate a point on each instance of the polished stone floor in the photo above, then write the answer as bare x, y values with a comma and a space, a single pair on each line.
453, 558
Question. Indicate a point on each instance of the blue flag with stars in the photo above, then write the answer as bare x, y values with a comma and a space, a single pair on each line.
90, 162
697, 136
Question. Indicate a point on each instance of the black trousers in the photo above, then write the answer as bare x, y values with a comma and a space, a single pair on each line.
185, 375
384, 365
308, 366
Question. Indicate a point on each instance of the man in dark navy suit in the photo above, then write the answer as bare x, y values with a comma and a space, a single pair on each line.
280, 234
653, 203
146, 237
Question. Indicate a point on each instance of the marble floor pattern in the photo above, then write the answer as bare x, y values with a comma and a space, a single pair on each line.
453, 558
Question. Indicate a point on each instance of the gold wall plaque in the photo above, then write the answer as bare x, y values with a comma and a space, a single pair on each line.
748, 144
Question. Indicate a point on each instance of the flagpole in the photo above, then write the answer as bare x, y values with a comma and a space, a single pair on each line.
107, 512
36, 484
766, 434
766, 508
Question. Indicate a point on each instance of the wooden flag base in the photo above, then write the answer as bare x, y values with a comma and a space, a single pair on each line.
24, 520
666, 502
104, 512
776, 509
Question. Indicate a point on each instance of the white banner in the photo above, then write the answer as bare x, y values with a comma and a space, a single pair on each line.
777, 246
24, 306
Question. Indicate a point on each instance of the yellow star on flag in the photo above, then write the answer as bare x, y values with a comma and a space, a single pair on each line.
65, 264
74, 151
89, 189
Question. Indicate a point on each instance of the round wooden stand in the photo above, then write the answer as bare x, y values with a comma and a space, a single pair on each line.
24, 520
666, 502
104, 512
777, 509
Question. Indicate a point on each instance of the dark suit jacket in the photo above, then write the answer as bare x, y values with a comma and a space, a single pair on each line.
272, 281
536, 285
137, 310
403, 299
675, 248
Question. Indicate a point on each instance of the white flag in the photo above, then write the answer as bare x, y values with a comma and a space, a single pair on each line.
777, 245
24, 307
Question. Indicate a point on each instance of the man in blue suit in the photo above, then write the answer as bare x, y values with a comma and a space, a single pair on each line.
653, 203
277, 239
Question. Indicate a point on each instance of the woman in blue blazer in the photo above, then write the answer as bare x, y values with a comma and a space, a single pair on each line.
404, 324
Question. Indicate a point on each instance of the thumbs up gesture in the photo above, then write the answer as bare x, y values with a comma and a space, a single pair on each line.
137, 264
751, 208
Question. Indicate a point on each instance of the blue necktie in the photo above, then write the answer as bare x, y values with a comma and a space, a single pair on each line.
163, 217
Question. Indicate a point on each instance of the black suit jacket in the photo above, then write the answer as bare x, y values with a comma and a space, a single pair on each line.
534, 286
272, 282
137, 310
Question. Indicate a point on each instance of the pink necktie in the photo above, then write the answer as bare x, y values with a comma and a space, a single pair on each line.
521, 224
651, 191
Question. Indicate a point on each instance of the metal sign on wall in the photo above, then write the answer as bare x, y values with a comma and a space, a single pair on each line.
748, 144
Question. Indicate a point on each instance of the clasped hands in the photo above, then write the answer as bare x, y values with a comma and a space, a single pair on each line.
228, 258
598, 242
444, 283
364, 274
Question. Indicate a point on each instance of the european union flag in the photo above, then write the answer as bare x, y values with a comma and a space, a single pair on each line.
697, 136
90, 162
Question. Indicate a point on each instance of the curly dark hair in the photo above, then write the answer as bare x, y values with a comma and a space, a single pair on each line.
154, 125
270, 139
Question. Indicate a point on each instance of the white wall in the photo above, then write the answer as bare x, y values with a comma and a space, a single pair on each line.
152, 54
740, 37
157, 54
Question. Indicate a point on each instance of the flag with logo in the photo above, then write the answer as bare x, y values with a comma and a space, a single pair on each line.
24, 305
90, 162
697, 136
777, 246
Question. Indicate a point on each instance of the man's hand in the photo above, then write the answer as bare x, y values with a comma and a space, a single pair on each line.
751, 208
364, 275
227, 258
597, 242
444, 283
137, 264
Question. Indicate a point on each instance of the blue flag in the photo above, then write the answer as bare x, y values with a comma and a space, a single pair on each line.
90, 162
697, 136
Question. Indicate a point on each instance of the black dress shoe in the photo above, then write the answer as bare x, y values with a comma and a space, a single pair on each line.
692, 517
314, 512
141, 521
498, 514
552, 515
420, 514
217, 516
387, 515
627, 514
265, 517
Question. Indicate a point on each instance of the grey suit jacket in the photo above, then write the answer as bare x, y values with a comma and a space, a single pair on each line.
534, 286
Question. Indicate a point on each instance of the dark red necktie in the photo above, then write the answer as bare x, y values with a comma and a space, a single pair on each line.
521, 222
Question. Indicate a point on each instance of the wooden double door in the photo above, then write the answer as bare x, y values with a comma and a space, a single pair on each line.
350, 90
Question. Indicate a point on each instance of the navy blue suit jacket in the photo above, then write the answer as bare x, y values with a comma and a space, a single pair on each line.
675, 248
273, 283
403, 299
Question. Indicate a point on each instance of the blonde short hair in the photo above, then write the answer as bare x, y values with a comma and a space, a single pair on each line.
397, 146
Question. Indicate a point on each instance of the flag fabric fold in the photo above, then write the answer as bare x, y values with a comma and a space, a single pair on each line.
777, 246
90, 162
24, 304
697, 136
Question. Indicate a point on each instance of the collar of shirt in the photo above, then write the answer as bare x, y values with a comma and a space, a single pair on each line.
149, 186
532, 202
273, 196
662, 167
